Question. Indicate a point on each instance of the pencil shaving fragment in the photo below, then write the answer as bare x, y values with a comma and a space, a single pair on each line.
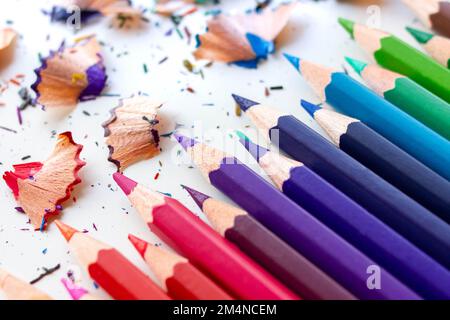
131, 133
244, 38
41, 188
70, 74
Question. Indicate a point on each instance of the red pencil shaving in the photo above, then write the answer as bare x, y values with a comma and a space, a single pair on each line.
41, 187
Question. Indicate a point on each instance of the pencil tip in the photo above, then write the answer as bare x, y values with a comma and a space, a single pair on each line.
420, 36
255, 150
244, 103
357, 65
75, 291
126, 184
311, 108
66, 231
198, 197
295, 61
184, 141
139, 244
348, 25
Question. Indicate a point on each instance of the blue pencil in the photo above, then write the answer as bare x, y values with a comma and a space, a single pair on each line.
387, 203
355, 100
352, 222
385, 159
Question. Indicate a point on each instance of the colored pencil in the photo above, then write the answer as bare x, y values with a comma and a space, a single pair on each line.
396, 55
316, 242
77, 292
407, 95
16, 289
433, 13
271, 252
390, 205
355, 100
385, 159
209, 252
352, 222
109, 268
438, 47
179, 278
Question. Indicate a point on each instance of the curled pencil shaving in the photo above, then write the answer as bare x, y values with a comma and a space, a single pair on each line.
91, 8
244, 37
70, 75
7, 39
131, 133
41, 188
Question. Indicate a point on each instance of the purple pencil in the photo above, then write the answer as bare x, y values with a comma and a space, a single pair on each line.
272, 253
352, 222
294, 225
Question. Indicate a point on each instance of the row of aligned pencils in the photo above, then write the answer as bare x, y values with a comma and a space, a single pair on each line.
376, 195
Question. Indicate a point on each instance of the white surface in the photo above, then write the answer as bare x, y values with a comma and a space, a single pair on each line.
313, 33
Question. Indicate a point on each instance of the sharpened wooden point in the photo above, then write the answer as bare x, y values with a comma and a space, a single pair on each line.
66, 231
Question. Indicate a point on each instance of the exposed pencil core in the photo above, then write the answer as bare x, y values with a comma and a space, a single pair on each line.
184, 141
295, 61
139, 244
198, 197
311, 108
348, 25
244, 103
65, 230
255, 150
126, 184
357, 65
421, 36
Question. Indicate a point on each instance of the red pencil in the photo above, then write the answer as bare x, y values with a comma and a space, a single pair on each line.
205, 248
109, 268
178, 277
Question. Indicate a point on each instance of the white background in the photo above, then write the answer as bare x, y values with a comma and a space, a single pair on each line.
313, 33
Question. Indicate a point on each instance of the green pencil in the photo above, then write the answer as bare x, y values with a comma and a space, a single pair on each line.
407, 95
396, 55
438, 47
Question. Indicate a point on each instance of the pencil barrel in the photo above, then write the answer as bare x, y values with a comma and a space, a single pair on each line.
422, 105
368, 234
387, 203
398, 168
400, 57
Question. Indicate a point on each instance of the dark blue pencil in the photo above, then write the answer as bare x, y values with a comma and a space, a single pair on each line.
401, 213
385, 159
